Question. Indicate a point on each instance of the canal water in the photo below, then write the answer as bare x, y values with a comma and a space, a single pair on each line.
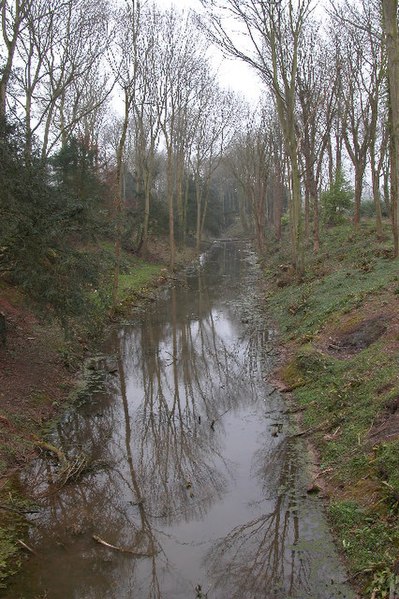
191, 471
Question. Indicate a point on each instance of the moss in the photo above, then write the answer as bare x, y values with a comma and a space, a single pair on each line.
12, 527
291, 375
138, 277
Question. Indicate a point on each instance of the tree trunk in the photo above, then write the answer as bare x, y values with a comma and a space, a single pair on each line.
377, 202
171, 210
358, 195
297, 221
394, 195
118, 203
390, 11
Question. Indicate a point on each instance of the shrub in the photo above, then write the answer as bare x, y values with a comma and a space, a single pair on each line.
337, 201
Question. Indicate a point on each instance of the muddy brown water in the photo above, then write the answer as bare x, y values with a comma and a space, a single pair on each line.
192, 464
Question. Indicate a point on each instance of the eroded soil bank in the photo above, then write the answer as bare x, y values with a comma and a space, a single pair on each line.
182, 476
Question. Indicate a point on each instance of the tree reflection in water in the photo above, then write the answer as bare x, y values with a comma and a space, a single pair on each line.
190, 389
261, 555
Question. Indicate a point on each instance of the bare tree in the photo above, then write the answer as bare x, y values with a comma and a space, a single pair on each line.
146, 118
124, 64
251, 162
214, 116
60, 48
13, 15
181, 59
272, 37
317, 102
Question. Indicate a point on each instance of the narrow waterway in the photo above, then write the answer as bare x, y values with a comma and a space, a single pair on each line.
192, 466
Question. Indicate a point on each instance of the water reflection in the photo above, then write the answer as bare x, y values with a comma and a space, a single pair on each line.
188, 468
260, 554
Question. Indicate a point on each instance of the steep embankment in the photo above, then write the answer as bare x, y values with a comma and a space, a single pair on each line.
340, 333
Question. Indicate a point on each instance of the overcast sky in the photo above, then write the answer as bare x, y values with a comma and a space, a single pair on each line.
233, 74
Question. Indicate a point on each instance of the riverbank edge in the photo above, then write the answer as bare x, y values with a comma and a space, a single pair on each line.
44, 405
323, 376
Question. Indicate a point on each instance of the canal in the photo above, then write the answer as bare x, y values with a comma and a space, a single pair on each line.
193, 485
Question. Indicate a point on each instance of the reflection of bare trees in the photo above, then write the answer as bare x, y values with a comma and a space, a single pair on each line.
262, 554
188, 381
180, 371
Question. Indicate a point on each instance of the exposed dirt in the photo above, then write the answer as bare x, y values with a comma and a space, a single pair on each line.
33, 379
377, 318
386, 428
363, 334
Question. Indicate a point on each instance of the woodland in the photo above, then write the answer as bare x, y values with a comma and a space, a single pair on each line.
117, 136
115, 129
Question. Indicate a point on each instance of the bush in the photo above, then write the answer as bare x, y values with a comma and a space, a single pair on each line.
337, 201
42, 229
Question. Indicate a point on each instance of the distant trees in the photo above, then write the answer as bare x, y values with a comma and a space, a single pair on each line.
251, 161
173, 151
273, 39
328, 83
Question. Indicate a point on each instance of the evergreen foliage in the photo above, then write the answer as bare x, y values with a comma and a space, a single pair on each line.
337, 200
42, 225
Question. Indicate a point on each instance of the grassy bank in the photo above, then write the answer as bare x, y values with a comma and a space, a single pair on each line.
340, 330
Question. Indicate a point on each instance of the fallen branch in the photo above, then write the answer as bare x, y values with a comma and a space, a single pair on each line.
123, 549
73, 469
311, 430
9, 508
52, 449
219, 417
25, 546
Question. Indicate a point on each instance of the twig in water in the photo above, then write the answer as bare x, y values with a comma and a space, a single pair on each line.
25, 546
218, 418
124, 549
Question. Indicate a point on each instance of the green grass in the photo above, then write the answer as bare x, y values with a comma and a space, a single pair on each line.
344, 398
139, 276
12, 527
135, 280
348, 270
